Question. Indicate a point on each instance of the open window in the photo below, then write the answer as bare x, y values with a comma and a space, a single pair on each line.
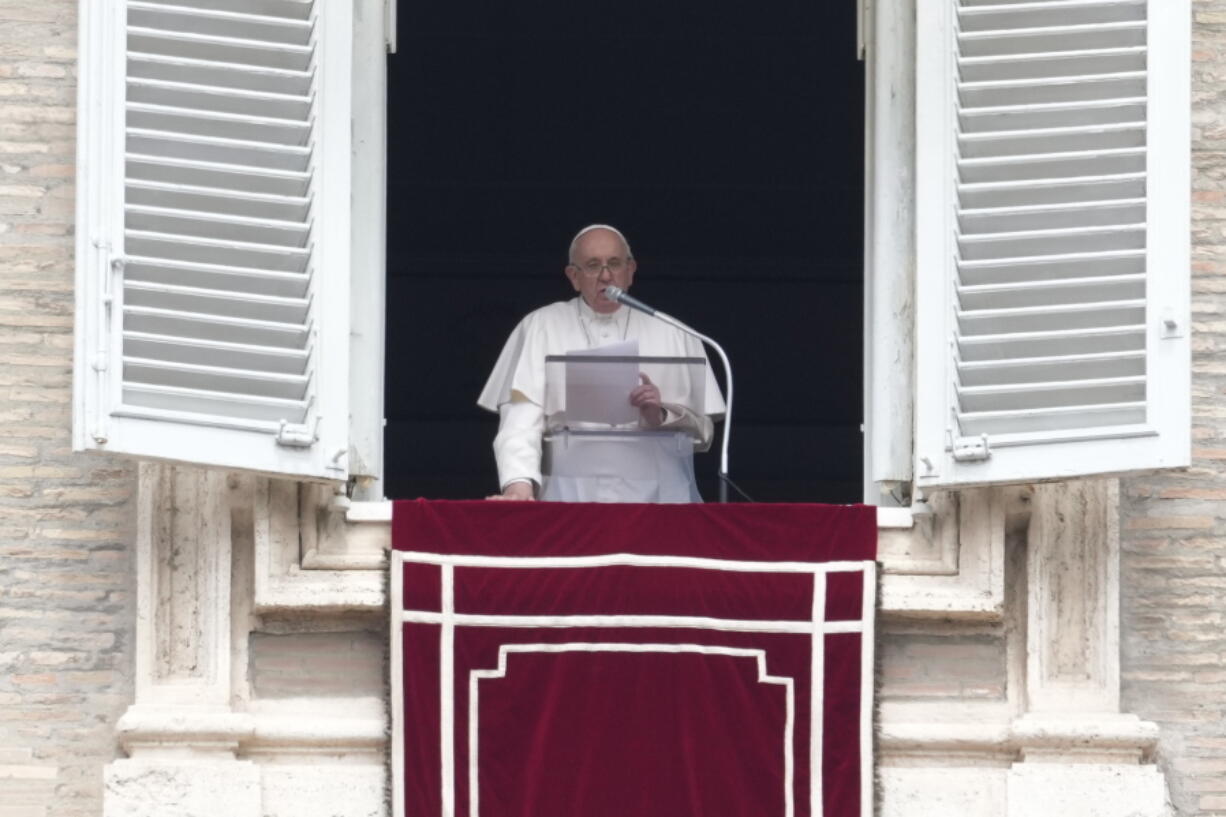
728, 144
1030, 161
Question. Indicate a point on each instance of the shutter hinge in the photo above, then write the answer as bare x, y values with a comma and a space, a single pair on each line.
297, 436
389, 25
116, 266
100, 360
970, 449
864, 17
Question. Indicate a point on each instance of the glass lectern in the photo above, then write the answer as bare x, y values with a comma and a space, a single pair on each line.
600, 448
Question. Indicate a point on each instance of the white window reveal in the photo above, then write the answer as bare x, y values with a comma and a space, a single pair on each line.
214, 232
1053, 188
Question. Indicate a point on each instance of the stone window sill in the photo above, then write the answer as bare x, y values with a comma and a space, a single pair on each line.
948, 563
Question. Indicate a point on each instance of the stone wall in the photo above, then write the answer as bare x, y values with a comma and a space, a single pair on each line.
329, 664
1173, 526
66, 592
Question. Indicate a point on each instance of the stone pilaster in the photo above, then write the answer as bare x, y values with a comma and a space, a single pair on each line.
182, 733
1078, 753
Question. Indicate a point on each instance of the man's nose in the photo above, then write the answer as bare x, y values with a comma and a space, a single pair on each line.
606, 274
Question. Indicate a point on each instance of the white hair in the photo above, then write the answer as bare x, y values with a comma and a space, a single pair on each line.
570, 255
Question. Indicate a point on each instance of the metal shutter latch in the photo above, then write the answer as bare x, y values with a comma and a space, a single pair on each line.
970, 449
293, 435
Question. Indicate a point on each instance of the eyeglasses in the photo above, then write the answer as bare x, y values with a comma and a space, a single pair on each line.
593, 268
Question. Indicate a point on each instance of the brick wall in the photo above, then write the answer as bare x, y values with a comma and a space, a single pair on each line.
1174, 526
66, 591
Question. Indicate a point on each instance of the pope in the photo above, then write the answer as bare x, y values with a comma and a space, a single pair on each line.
599, 256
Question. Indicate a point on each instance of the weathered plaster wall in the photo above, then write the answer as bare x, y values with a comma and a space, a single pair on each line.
341, 664
922, 662
66, 592
1173, 526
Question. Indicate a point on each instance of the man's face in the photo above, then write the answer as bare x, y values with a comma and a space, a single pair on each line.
600, 259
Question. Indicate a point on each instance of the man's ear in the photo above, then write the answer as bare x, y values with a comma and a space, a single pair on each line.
572, 274
631, 266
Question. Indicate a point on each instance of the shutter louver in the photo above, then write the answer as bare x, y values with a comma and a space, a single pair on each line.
217, 217
221, 278
1048, 272
1037, 217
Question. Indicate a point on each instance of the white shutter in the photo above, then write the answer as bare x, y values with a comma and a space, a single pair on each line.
214, 230
1053, 190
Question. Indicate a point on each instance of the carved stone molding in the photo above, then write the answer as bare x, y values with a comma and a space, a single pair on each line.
296, 531
1079, 753
181, 733
985, 734
331, 537
950, 563
1057, 743
1073, 625
947, 564
301, 727
216, 557
929, 545
183, 634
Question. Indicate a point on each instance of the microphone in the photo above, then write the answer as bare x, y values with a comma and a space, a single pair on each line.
620, 295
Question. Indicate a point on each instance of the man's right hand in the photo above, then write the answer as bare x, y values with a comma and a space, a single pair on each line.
516, 491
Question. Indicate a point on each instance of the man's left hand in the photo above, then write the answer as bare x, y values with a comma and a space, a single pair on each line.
647, 399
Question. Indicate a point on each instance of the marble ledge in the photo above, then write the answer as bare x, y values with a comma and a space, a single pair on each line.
381, 512
343, 568
332, 726
1066, 738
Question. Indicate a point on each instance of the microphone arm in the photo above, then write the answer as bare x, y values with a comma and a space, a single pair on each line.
622, 297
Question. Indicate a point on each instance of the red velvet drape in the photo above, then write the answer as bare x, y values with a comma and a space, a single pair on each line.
646, 660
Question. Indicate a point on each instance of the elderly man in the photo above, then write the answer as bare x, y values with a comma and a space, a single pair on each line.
599, 256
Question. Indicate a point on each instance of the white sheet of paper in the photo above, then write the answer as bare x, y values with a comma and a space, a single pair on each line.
600, 392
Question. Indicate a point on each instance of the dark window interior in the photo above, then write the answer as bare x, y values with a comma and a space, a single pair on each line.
725, 140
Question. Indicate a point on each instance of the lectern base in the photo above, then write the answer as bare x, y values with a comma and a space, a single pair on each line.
647, 466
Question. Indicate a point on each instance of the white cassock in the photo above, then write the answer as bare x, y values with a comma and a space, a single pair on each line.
516, 386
